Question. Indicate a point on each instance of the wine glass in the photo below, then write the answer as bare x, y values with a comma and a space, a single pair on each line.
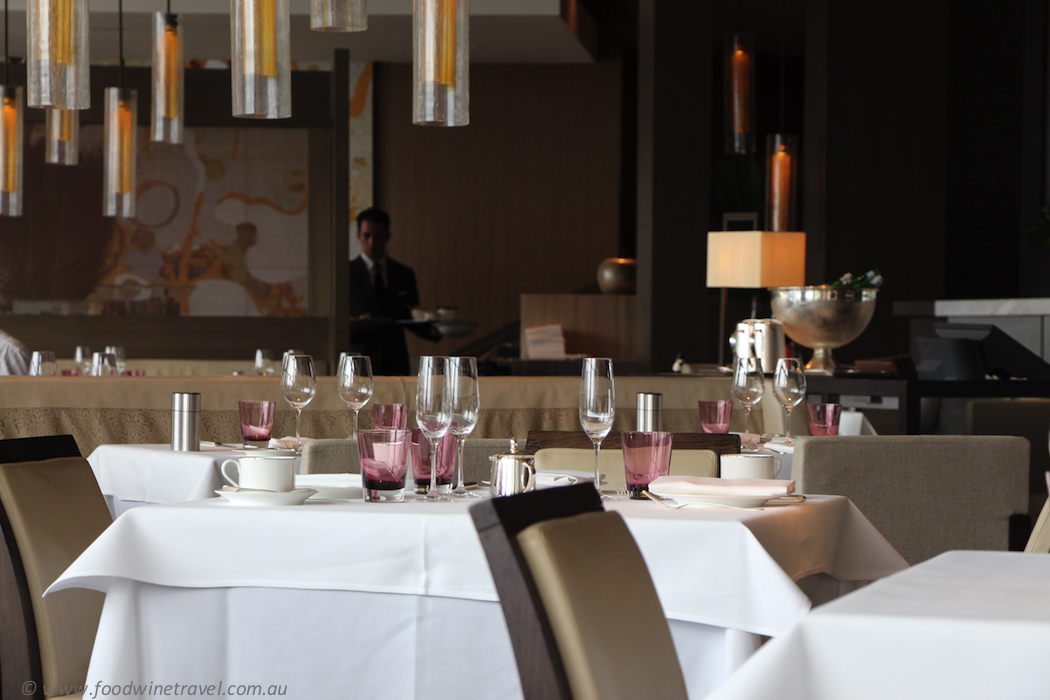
42, 364
263, 363
789, 385
103, 364
118, 352
355, 383
466, 403
433, 412
298, 387
748, 387
82, 356
597, 406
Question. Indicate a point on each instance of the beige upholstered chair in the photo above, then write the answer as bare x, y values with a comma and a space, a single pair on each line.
926, 494
52, 510
561, 564
476, 453
330, 457
685, 462
1039, 541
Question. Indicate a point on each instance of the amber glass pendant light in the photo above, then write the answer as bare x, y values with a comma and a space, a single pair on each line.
57, 34
10, 140
62, 132
262, 72
338, 15
121, 124
441, 62
167, 104
739, 60
781, 166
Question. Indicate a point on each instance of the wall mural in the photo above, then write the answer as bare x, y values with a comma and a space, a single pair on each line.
221, 230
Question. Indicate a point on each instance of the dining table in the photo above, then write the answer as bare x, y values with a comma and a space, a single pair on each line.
964, 624
343, 598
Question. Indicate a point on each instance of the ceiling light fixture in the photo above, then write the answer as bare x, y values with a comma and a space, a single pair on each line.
62, 135
166, 112
441, 62
121, 142
58, 70
739, 63
339, 15
10, 140
262, 72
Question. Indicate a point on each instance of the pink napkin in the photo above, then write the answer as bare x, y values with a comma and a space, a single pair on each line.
710, 486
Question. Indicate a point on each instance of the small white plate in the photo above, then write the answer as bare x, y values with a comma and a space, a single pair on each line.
332, 487
735, 501
251, 497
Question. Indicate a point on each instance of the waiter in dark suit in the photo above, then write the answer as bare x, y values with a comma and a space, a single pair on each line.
382, 288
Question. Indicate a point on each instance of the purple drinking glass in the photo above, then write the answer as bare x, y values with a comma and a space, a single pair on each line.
256, 422
421, 461
824, 418
389, 416
646, 455
715, 415
384, 461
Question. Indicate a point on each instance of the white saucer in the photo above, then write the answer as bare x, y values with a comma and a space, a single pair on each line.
251, 497
735, 501
332, 487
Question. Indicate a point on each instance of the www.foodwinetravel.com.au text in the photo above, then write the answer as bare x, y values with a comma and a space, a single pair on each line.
151, 690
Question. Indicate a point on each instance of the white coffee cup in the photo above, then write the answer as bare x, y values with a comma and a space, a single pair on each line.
263, 472
749, 466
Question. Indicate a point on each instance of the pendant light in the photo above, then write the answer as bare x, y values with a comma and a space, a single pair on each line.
62, 131
58, 71
262, 74
167, 104
121, 124
441, 62
338, 15
739, 62
10, 140
781, 165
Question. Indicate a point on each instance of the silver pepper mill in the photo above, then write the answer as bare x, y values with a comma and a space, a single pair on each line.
650, 412
185, 422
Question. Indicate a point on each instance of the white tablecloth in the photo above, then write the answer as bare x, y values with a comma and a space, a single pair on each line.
715, 570
960, 625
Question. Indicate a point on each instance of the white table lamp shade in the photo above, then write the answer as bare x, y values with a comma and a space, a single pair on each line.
756, 259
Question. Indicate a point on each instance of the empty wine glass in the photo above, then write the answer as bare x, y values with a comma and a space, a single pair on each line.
597, 407
298, 386
118, 353
82, 356
263, 364
103, 364
43, 364
748, 387
466, 403
433, 412
355, 383
789, 386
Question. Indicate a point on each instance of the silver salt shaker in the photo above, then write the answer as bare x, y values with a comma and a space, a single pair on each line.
650, 409
185, 422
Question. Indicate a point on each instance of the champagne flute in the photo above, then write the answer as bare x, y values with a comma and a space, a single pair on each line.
789, 385
748, 387
82, 356
597, 407
466, 403
433, 412
355, 383
298, 387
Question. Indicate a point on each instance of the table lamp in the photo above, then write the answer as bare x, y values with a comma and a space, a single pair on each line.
753, 260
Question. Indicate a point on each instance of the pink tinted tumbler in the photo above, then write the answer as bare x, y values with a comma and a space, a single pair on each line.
384, 461
646, 455
389, 416
256, 422
421, 461
824, 418
715, 415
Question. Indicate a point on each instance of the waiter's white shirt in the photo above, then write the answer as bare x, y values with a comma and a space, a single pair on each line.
14, 358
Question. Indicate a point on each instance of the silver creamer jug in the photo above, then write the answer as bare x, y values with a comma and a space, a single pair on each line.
513, 472
762, 338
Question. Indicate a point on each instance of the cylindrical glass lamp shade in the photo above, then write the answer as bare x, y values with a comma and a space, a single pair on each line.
63, 137
739, 60
11, 151
441, 62
262, 69
120, 146
57, 34
781, 181
338, 15
166, 111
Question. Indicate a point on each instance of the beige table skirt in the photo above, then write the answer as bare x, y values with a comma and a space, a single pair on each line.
137, 410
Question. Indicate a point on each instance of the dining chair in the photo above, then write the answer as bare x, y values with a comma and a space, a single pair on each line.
722, 444
561, 564
926, 494
34, 449
1039, 540
330, 457
561, 459
50, 511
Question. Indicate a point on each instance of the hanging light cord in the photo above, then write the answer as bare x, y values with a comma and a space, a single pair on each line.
120, 31
7, 57
783, 57
169, 6
738, 22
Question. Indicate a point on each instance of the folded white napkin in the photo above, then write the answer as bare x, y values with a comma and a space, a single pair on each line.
780, 447
286, 443
709, 486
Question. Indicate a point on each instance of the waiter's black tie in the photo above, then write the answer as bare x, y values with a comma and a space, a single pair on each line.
378, 286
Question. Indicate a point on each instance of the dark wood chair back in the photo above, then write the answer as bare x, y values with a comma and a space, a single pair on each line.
578, 440
498, 522
36, 449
